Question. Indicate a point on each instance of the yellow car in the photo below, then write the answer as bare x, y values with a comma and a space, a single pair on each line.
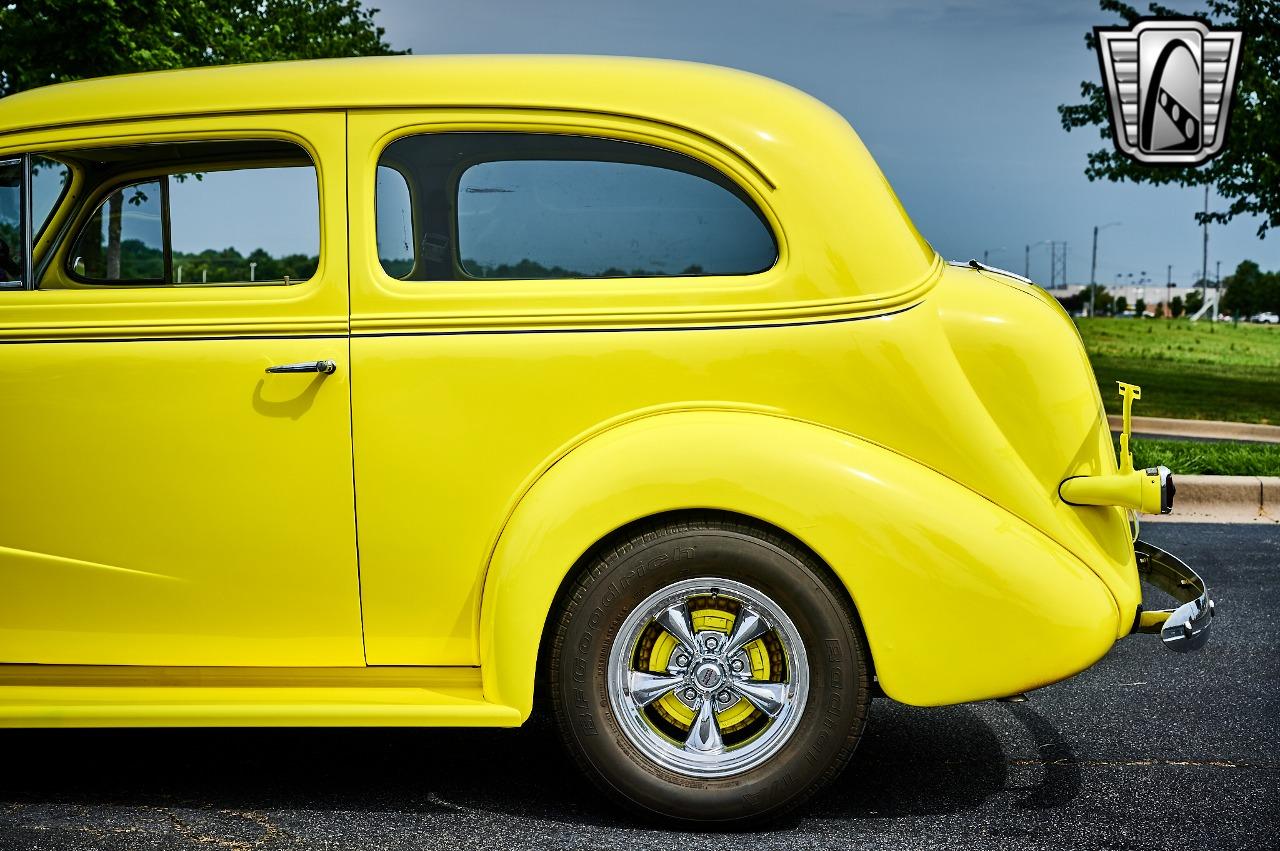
416, 391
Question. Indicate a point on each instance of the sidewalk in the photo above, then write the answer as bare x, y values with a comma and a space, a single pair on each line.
1208, 429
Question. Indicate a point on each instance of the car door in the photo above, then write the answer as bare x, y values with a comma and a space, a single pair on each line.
170, 497
478, 237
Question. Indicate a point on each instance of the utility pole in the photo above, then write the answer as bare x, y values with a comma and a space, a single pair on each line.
1053, 265
1204, 272
1093, 268
1168, 297
1093, 265
1217, 287
1026, 263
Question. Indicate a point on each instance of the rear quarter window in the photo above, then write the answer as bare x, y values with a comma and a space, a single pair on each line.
530, 206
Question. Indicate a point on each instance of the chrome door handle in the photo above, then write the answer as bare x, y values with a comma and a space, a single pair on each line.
324, 367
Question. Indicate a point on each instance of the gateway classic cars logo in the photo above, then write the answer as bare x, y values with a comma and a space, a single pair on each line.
1169, 82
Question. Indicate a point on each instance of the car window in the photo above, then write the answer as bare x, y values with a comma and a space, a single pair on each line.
11, 247
49, 179
524, 206
124, 238
395, 223
210, 213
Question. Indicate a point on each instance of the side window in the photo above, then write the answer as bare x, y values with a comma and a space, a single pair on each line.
524, 206
12, 250
198, 213
48, 185
124, 238
49, 179
395, 223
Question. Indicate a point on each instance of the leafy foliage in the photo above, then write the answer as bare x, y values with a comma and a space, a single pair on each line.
1247, 171
1251, 291
53, 41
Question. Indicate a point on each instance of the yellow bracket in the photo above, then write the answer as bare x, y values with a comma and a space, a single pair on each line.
1128, 392
1141, 490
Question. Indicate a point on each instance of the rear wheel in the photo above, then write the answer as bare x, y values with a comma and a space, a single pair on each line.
709, 671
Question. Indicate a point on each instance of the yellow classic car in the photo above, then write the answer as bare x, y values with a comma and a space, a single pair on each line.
425, 391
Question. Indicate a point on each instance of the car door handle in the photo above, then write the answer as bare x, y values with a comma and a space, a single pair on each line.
324, 367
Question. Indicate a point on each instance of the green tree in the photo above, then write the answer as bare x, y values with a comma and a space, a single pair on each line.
1101, 299
127, 36
53, 41
1122, 304
1250, 291
1247, 171
1140, 306
1175, 306
1195, 301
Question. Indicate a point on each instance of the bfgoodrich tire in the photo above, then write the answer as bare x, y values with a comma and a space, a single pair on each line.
708, 670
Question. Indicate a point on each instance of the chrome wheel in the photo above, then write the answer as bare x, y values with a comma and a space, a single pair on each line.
708, 677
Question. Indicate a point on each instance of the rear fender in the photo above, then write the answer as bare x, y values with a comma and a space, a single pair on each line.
960, 600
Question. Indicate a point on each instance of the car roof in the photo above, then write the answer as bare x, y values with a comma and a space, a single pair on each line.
649, 87
811, 162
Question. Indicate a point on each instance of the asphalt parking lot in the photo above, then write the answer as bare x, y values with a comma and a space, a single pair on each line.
1147, 749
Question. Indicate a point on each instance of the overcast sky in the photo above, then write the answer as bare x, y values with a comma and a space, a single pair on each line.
956, 100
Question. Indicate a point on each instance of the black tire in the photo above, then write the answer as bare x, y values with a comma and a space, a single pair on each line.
617, 580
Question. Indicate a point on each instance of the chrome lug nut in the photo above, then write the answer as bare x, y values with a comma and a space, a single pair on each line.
737, 666
682, 661
724, 696
690, 694
713, 643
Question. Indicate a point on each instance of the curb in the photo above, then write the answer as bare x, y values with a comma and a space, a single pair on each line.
1212, 429
1224, 499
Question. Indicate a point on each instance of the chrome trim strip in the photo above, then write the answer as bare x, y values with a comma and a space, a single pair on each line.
28, 227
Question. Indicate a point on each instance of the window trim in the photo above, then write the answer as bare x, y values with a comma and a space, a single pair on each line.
28, 211
166, 248
25, 213
79, 219
732, 167
25, 258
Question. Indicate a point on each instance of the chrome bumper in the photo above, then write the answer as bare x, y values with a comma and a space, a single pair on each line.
1186, 627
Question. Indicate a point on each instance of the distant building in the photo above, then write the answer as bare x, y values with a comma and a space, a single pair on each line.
1152, 294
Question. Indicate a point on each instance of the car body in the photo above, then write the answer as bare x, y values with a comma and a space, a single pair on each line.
188, 537
1265, 318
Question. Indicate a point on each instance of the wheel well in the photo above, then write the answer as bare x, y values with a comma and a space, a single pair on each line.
637, 527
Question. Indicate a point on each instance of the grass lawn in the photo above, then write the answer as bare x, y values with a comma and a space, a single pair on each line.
1211, 458
1200, 370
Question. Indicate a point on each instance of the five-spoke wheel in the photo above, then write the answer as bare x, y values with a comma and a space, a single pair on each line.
708, 677
709, 670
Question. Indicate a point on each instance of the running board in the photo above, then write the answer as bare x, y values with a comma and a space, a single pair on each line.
126, 696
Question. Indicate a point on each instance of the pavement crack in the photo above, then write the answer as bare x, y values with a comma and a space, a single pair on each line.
1195, 763
270, 830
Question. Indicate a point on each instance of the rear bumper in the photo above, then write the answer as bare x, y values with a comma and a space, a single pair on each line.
1186, 627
